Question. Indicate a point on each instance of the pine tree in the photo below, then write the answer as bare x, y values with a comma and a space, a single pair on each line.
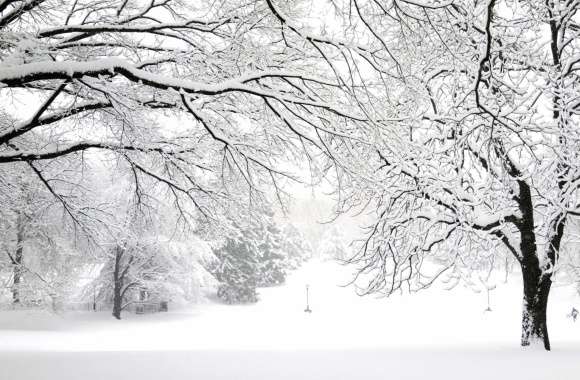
237, 271
295, 246
258, 256
273, 261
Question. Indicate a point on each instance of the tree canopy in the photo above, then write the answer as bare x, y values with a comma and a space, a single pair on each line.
453, 122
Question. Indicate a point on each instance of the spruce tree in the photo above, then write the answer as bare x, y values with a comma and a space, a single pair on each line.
237, 271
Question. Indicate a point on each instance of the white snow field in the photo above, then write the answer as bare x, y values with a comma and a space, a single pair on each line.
433, 334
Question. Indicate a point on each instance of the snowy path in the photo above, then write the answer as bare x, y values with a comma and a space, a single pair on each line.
432, 335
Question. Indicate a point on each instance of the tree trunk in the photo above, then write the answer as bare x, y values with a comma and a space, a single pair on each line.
17, 274
117, 302
17, 261
117, 284
534, 321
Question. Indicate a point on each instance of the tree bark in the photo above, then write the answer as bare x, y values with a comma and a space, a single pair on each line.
117, 302
537, 282
534, 322
17, 261
117, 284
119, 280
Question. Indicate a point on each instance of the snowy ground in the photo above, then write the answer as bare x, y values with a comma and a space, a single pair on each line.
429, 335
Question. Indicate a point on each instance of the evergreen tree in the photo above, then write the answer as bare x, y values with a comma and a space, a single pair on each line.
237, 271
334, 246
259, 255
295, 246
273, 261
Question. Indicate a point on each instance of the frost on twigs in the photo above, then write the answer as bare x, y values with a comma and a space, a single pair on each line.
483, 165
452, 126
212, 103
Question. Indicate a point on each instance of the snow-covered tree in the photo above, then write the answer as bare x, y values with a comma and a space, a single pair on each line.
255, 254
237, 270
41, 234
148, 255
483, 154
273, 263
144, 265
454, 121
333, 245
203, 102
206, 98
295, 246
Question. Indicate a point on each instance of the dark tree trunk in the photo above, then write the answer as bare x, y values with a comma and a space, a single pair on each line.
117, 284
534, 321
117, 302
537, 282
119, 280
17, 261
17, 274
